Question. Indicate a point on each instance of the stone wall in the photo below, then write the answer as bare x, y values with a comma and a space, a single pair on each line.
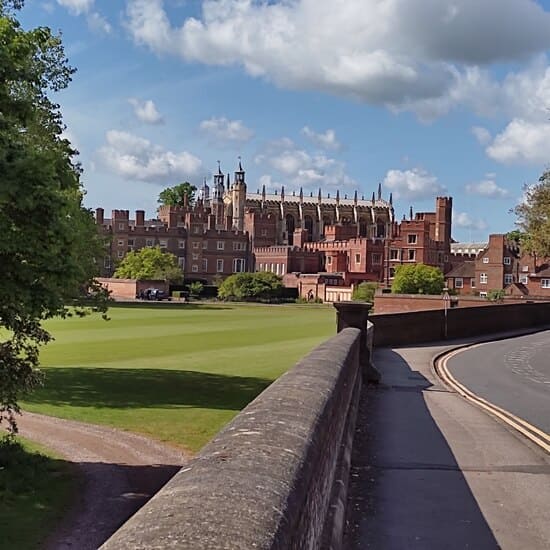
276, 476
409, 328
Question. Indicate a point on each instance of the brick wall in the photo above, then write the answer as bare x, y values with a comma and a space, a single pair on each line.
412, 328
397, 303
128, 288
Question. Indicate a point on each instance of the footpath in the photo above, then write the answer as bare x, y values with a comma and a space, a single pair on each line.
432, 471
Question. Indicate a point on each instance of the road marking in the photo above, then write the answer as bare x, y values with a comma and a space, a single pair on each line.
534, 434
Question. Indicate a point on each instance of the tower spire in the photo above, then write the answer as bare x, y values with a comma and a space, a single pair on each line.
379, 191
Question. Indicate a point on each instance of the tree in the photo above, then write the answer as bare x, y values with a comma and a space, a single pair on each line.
516, 236
364, 292
49, 246
250, 286
533, 217
176, 196
149, 263
418, 279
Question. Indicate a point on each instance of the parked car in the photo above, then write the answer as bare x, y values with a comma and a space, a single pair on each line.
154, 294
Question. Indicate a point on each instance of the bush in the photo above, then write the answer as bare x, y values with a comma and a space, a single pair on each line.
364, 292
250, 286
196, 289
495, 295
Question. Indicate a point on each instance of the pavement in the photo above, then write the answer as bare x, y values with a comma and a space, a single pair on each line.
432, 471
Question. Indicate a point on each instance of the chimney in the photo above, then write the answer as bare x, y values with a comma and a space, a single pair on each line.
140, 218
99, 216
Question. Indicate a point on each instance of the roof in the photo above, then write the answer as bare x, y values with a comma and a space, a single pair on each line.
465, 269
542, 271
314, 200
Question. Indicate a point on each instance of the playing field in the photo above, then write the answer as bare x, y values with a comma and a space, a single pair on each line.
177, 374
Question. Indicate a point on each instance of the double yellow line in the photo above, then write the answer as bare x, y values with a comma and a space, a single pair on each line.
532, 433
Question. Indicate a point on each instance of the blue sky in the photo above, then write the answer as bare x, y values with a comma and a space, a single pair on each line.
428, 97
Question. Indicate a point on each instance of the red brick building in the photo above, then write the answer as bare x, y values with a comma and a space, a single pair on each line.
501, 266
230, 230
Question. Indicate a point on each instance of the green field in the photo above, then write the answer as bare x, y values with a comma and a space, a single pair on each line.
176, 374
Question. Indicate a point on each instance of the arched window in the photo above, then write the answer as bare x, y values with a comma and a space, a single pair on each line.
308, 225
363, 227
380, 229
290, 226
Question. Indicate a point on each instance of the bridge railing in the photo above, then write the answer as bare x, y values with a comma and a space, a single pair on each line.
274, 477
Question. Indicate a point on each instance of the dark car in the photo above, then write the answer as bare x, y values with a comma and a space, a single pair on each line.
154, 294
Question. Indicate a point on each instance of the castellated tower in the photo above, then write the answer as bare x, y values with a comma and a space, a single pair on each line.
443, 214
238, 198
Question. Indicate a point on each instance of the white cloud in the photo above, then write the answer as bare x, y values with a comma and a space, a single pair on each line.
77, 7
300, 168
136, 158
224, 130
96, 22
400, 53
412, 184
326, 140
482, 135
488, 188
464, 220
146, 111
522, 142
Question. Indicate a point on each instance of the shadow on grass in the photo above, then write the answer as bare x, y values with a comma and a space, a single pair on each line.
131, 388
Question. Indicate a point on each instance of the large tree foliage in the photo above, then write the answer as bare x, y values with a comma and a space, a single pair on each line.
534, 217
250, 286
49, 242
149, 263
418, 279
176, 196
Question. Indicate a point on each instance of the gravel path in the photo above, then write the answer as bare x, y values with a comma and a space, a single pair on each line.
121, 471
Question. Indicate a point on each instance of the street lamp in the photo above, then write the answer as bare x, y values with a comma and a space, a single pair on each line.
446, 299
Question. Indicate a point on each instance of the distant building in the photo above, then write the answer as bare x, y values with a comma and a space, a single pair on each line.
500, 265
322, 238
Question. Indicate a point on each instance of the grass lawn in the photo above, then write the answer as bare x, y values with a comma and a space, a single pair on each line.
176, 374
35, 492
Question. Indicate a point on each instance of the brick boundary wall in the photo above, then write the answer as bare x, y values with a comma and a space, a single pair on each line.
395, 329
276, 476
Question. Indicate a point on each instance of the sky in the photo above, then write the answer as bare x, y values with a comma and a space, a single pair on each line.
427, 97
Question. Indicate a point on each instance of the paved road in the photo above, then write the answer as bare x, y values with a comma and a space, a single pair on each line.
432, 471
513, 374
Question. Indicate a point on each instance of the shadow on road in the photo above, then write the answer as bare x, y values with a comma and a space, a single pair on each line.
109, 495
406, 489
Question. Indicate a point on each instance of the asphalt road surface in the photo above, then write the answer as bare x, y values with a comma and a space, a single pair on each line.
513, 374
